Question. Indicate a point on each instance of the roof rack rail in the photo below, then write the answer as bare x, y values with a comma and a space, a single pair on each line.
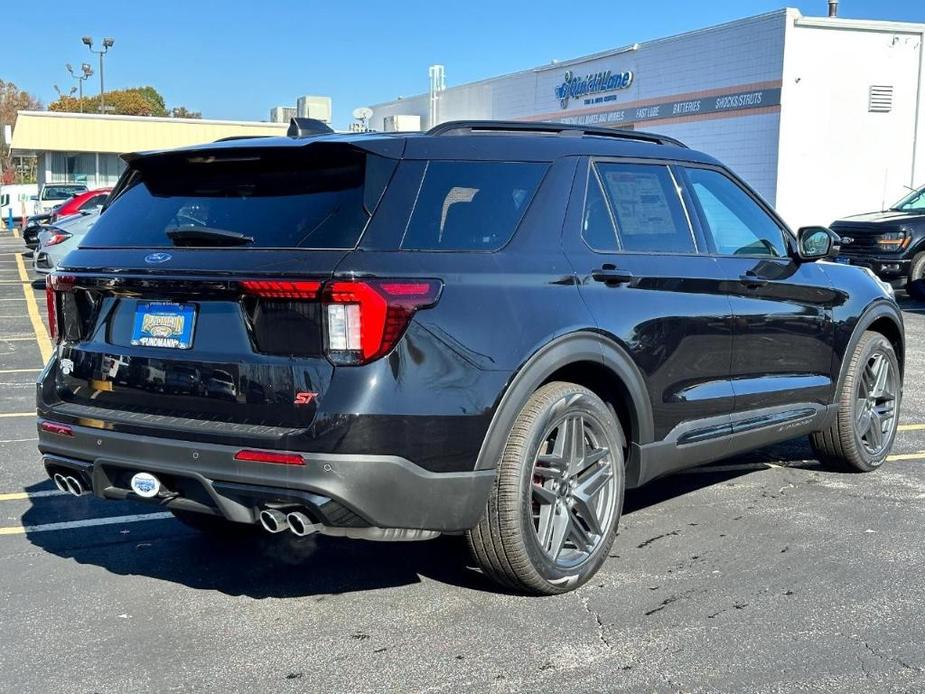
229, 138
468, 127
307, 127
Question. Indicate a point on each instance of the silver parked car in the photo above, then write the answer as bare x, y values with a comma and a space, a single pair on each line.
58, 239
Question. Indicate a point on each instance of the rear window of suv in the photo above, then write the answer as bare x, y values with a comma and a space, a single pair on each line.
471, 206
289, 199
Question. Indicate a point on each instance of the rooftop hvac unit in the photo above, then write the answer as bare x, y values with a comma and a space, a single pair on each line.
401, 124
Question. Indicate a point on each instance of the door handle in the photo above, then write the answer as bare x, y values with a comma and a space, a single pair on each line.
609, 274
750, 279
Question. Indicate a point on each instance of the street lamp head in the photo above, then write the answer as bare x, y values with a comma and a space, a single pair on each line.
107, 42
87, 70
69, 68
87, 41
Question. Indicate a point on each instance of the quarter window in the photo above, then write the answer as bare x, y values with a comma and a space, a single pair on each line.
646, 208
471, 206
737, 224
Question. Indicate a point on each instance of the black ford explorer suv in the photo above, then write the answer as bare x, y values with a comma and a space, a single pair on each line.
891, 243
489, 328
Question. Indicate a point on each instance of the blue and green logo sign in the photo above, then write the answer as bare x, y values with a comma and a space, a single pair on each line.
574, 87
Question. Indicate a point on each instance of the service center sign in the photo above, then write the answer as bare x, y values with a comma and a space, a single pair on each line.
574, 87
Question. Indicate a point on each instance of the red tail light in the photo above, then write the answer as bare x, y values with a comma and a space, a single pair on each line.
57, 237
53, 284
249, 456
365, 319
55, 428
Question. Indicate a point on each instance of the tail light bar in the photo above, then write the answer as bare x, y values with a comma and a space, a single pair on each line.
282, 289
364, 319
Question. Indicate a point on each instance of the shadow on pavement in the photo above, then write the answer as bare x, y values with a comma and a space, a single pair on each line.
260, 565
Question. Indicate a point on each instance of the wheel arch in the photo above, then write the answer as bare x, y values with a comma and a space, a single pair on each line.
588, 359
881, 317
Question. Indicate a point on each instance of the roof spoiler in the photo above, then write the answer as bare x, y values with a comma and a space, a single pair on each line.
307, 127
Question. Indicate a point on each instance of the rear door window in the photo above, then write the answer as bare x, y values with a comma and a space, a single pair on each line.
646, 208
293, 199
471, 206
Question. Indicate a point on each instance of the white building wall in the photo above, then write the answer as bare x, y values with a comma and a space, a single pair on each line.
836, 157
747, 144
738, 53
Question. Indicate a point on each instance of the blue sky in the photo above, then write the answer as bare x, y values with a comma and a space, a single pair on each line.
237, 59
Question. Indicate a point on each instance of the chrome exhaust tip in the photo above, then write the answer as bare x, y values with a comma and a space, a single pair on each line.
60, 483
74, 486
273, 521
300, 524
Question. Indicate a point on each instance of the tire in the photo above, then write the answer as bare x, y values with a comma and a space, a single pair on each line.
852, 444
528, 492
915, 286
213, 525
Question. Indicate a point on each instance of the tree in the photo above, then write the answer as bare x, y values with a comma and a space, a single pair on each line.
134, 101
183, 112
12, 100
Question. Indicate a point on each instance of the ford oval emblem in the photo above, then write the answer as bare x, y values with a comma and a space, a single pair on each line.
146, 485
157, 258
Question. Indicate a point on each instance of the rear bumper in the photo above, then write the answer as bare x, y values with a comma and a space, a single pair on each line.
340, 490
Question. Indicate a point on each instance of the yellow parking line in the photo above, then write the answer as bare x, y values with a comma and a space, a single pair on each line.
907, 456
910, 427
17, 414
19, 496
38, 327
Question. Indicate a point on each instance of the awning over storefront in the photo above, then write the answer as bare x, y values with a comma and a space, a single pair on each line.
52, 131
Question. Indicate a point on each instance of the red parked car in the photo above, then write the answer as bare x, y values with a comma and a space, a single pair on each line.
82, 201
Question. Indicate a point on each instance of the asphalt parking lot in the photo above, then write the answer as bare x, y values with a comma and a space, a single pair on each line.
763, 573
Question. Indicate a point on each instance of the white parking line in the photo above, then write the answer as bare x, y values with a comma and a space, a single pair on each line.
34, 438
89, 522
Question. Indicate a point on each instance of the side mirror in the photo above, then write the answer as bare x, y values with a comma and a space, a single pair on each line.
815, 243
33, 197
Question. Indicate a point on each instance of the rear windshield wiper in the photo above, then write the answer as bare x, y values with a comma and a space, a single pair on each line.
206, 236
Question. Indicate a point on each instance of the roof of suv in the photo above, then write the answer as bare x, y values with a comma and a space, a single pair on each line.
474, 140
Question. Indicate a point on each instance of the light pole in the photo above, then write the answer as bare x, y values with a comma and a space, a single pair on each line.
107, 44
87, 72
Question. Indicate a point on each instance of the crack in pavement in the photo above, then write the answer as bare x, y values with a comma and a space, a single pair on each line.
896, 660
601, 633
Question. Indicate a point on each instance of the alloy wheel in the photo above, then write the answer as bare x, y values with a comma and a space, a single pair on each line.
573, 489
875, 405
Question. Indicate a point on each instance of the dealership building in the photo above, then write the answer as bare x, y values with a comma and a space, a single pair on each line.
823, 116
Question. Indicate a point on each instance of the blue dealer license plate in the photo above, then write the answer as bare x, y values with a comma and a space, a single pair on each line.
164, 324
843, 260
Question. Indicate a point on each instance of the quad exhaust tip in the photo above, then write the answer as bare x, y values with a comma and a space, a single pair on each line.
60, 483
300, 524
273, 521
69, 484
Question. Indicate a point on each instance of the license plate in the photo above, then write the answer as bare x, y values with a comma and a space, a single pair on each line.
163, 324
843, 260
